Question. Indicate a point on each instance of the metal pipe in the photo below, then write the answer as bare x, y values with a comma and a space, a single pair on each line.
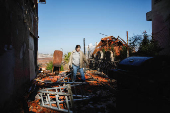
84, 47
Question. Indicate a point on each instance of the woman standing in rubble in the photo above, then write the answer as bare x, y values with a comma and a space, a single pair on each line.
76, 62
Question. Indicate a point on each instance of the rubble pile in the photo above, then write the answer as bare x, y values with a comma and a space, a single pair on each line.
99, 88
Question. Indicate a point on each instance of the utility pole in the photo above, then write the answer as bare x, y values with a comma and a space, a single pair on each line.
84, 46
88, 51
127, 45
107, 45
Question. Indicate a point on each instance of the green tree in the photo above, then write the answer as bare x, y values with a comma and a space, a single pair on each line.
145, 44
66, 57
134, 42
49, 65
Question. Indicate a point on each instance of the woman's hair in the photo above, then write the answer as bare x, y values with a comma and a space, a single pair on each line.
78, 46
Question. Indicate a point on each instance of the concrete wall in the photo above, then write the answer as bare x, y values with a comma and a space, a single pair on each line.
19, 22
161, 24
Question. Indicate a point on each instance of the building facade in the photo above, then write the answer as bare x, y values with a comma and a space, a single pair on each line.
160, 17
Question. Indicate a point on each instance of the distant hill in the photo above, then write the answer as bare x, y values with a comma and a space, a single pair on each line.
41, 55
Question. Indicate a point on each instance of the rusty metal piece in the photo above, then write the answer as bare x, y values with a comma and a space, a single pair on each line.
57, 60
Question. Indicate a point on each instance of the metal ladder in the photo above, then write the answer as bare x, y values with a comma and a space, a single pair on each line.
62, 95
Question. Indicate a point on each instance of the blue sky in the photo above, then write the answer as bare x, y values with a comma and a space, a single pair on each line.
64, 23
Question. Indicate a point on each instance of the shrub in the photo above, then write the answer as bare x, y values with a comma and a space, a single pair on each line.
62, 68
49, 66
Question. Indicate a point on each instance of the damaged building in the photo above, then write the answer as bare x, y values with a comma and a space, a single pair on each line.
18, 48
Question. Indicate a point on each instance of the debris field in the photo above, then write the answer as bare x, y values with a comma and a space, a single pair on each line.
99, 88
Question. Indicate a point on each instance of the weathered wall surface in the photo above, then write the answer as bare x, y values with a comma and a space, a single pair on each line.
19, 22
161, 24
